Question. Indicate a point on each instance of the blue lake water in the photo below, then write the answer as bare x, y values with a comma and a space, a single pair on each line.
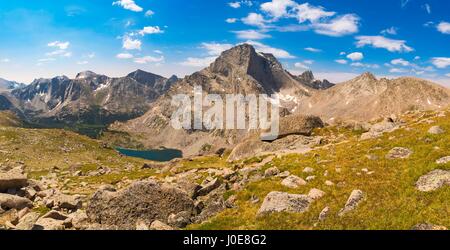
161, 155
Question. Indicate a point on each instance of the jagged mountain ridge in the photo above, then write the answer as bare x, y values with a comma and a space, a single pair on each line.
6, 85
90, 97
308, 79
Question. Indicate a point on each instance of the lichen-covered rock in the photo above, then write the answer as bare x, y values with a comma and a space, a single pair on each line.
159, 225
293, 181
443, 160
316, 194
433, 180
145, 200
399, 153
284, 202
12, 179
436, 130
271, 172
428, 226
298, 124
353, 201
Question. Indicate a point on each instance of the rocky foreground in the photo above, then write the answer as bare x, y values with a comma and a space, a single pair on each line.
389, 174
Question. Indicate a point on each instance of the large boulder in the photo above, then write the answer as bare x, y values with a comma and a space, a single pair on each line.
8, 201
143, 200
299, 125
27, 222
376, 130
284, 202
12, 179
433, 180
293, 181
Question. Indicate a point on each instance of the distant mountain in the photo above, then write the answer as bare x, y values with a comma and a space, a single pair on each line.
366, 97
6, 85
90, 98
238, 70
308, 79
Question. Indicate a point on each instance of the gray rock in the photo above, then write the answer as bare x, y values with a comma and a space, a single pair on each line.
49, 224
353, 201
443, 160
8, 201
13, 179
284, 202
208, 187
433, 180
27, 221
436, 130
308, 170
180, 220
55, 215
428, 226
144, 200
293, 181
316, 194
80, 220
71, 202
324, 214
271, 172
283, 174
399, 153
159, 225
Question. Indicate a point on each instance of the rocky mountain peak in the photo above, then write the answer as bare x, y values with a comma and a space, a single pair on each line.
86, 74
367, 76
308, 76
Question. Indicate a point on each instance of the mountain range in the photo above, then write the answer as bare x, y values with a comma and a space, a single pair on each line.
139, 104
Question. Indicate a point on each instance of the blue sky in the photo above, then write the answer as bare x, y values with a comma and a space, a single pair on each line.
335, 39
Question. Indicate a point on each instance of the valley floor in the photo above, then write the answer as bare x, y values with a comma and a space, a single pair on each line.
76, 164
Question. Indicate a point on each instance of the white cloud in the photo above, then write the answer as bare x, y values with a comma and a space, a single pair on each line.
231, 20
307, 12
427, 8
149, 13
355, 56
335, 77
342, 53
148, 59
198, 62
308, 62
441, 62
444, 27
339, 26
447, 75
5, 60
238, 4
131, 44
251, 34
215, 49
390, 31
310, 49
383, 42
46, 60
364, 65
341, 61
254, 19
397, 70
401, 62
158, 51
279, 53
128, 5
404, 3
90, 55
277, 8
301, 65
417, 58
60, 45
124, 56
82, 62
150, 30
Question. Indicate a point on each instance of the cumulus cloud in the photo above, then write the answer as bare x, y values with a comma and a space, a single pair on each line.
301, 65
198, 62
279, 53
251, 35
215, 49
150, 30
128, 5
254, 19
149, 13
307, 12
231, 20
339, 26
441, 62
238, 4
401, 62
355, 56
124, 56
444, 27
58, 44
389, 31
383, 42
131, 44
341, 61
277, 8
148, 59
